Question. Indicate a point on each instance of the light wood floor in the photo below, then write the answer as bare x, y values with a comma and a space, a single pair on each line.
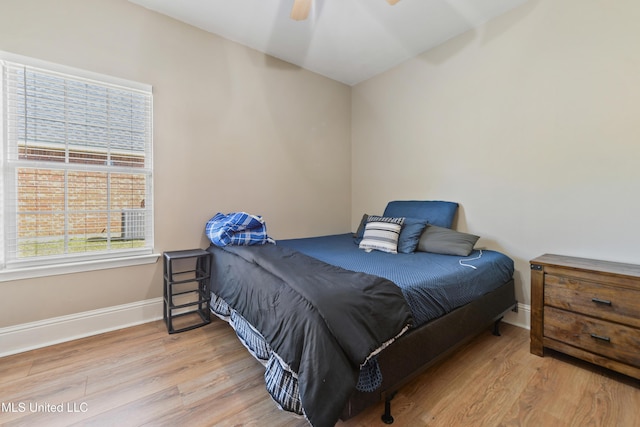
143, 376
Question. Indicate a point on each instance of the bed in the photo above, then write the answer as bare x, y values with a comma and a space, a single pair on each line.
339, 327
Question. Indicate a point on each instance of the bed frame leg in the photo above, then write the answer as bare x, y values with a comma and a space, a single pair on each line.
386, 417
496, 327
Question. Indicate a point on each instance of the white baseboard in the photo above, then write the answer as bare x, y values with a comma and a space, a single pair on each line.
522, 318
29, 336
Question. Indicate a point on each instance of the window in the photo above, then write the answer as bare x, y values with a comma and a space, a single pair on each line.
76, 182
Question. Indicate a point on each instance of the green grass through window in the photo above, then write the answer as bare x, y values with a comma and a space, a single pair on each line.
34, 248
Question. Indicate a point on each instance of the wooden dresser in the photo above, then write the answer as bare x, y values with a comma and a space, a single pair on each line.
588, 309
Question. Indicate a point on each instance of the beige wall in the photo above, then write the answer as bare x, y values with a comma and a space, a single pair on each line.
530, 123
233, 130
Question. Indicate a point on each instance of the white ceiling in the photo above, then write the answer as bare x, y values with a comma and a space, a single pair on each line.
346, 40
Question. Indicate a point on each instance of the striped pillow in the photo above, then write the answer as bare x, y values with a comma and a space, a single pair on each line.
381, 234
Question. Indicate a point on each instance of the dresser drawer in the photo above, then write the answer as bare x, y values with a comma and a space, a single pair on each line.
621, 305
618, 342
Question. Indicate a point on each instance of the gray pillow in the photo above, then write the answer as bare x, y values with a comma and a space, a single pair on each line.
357, 236
445, 241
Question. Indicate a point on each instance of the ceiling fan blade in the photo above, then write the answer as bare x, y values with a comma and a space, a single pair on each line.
300, 10
392, 2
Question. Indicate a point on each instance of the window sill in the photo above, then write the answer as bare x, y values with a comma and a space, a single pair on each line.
76, 267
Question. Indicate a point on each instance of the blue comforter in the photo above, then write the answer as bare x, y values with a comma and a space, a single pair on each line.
432, 284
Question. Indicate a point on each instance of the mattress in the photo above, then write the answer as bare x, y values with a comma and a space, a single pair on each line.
432, 284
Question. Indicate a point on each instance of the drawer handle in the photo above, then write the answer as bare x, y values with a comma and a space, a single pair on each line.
601, 301
600, 337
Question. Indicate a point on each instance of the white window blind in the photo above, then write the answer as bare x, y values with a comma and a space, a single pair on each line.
77, 166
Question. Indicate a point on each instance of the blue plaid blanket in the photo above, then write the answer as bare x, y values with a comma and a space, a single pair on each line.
237, 228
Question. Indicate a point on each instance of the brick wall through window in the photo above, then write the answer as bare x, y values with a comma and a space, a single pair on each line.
93, 200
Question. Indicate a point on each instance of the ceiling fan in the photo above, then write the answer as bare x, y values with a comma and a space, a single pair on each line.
301, 8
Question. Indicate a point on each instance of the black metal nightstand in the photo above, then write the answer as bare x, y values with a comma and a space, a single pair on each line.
186, 289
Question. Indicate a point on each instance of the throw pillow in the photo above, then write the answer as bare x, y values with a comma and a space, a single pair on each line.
412, 228
381, 234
